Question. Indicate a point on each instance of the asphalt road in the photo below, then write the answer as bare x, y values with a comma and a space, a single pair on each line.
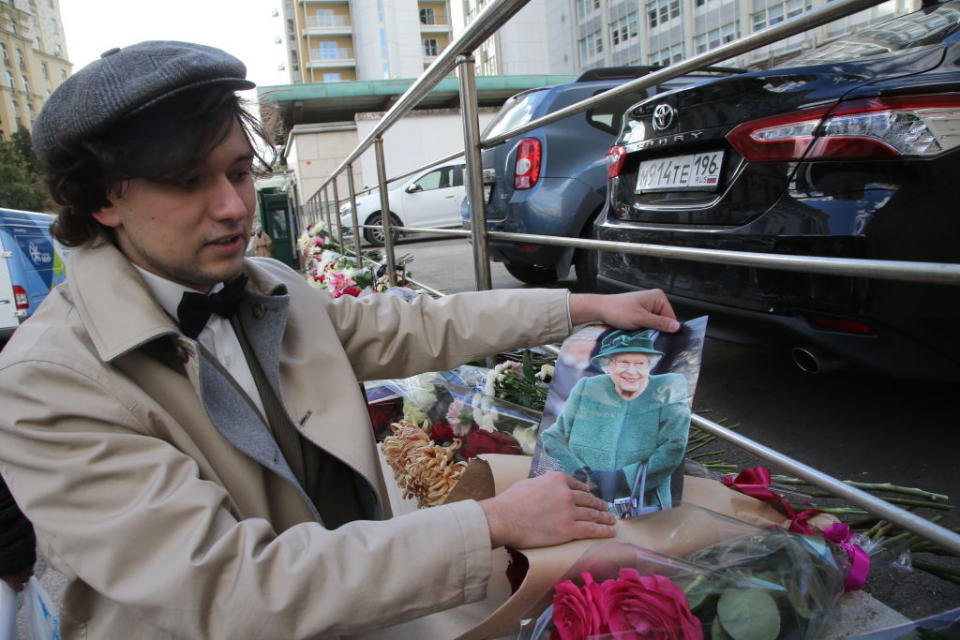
850, 424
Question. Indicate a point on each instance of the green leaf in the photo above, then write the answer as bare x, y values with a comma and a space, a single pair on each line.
717, 632
748, 614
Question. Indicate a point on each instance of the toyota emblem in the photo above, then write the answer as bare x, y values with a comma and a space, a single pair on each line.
663, 115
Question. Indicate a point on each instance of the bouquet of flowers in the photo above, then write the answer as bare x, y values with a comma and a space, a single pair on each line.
524, 382
312, 241
339, 274
432, 425
765, 585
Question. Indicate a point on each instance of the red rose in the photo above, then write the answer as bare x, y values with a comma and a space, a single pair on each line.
636, 606
351, 291
441, 433
479, 441
576, 611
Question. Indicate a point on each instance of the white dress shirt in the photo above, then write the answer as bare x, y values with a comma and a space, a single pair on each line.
217, 336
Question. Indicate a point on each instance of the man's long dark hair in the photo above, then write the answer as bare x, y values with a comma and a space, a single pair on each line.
161, 143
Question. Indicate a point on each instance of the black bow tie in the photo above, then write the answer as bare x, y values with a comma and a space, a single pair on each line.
195, 308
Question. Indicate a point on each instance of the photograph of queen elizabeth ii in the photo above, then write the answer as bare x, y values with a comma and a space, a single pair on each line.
622, 428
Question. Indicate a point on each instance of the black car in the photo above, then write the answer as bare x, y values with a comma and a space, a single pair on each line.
851, 151
552, 180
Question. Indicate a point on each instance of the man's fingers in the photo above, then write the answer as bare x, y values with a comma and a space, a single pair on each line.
576, 485
586, 514
587, 499
584, 530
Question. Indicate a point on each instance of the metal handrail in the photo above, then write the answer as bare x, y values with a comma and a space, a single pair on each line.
458, 54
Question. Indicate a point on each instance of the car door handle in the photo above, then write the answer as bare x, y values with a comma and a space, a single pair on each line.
449, 197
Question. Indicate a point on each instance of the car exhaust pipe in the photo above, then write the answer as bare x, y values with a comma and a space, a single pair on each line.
813, 361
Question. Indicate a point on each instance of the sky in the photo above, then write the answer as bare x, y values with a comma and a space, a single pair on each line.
245, 28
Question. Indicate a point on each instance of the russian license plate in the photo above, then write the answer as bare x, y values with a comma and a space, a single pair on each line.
693, 172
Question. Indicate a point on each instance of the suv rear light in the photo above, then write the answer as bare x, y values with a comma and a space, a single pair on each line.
615, 157
20, 298
527, 170
874, 129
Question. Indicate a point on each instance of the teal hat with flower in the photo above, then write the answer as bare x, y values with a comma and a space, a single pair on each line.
626, 342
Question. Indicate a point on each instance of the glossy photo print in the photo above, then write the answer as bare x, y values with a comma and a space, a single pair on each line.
617, 414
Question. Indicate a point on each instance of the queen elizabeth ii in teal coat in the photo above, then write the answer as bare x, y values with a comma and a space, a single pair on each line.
616, 421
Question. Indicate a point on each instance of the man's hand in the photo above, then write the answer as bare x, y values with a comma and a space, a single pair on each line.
17, 581
648, 309
546, 510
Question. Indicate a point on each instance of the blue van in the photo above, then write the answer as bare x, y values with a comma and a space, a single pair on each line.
30, 265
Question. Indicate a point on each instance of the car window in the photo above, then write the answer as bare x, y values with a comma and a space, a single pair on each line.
898, 35
458, 175
515, 112
434, 179
608, 116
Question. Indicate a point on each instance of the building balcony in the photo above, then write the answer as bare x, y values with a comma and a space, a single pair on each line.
332, 57
434, 28
328, 25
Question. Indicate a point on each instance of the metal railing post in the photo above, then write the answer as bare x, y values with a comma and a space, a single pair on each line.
336, 215
385, 213
353, 210
325, 208
473, 173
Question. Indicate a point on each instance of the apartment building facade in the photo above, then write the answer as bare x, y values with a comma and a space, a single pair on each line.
33, 59
595, 33
345, 40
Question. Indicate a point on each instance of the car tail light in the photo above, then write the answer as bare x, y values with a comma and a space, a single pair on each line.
841, 324
615, 157
527, 170
20, 298
874, 129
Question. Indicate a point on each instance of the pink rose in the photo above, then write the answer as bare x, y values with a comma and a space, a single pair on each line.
576, 611
636, 606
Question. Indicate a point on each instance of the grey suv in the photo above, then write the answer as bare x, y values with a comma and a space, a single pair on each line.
553, 180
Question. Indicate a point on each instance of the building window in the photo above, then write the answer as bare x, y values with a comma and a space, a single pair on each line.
661, 11
332, 77
428, 16
10, 82
20, 61
430, 47
6, 54
329, 50
26, 84
591, 46
625, 29
54, 27
587, 6
63, 75
58, 50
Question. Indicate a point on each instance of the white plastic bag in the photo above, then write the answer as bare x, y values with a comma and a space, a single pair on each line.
8, 612
39, 613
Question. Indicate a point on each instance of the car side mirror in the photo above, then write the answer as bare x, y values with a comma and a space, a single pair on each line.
411, 188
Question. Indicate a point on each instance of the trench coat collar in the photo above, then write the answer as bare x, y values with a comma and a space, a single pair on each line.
116, 306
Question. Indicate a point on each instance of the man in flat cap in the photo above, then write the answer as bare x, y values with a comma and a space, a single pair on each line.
183, 425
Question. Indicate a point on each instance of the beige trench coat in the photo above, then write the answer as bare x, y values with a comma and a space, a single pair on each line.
164, 529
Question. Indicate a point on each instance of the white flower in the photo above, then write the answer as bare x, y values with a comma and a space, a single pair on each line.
527, 437
414, 412
484, 414
317, 228
546, 371
490, 386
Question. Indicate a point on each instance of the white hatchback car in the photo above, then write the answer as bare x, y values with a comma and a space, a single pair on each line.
430, 199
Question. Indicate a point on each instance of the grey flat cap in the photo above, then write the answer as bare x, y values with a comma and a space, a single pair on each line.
125, 81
